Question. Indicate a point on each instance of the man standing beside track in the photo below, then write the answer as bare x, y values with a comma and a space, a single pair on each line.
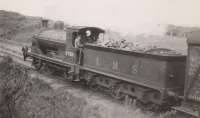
25, 50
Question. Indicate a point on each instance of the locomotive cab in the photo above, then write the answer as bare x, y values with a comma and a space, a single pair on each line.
73, 54
86, 34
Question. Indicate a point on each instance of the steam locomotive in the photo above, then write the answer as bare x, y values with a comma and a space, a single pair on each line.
159, 79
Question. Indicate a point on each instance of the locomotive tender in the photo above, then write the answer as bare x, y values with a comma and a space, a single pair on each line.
149, 77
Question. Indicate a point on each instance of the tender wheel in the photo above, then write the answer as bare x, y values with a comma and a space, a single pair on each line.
117, 92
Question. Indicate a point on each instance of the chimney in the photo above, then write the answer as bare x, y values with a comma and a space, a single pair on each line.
59, 25
45, 23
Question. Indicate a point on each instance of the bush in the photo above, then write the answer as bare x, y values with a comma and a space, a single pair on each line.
13, 87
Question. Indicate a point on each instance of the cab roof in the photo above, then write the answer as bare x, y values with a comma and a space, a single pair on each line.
82, 29
194, 37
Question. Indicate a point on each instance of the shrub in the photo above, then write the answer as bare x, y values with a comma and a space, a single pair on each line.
13, 86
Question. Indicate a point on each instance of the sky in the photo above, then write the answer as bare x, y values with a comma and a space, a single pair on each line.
121, 15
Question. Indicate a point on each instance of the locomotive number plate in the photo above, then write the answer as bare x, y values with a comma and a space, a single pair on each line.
69, 53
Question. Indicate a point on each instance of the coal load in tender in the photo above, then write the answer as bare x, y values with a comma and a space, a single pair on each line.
136, 47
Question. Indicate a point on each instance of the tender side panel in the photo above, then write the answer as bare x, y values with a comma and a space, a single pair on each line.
145, 71
192, 84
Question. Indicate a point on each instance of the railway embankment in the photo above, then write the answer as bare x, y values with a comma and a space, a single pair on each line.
63, 100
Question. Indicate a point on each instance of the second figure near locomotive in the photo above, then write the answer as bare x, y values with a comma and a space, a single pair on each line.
88, 37
81, 40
